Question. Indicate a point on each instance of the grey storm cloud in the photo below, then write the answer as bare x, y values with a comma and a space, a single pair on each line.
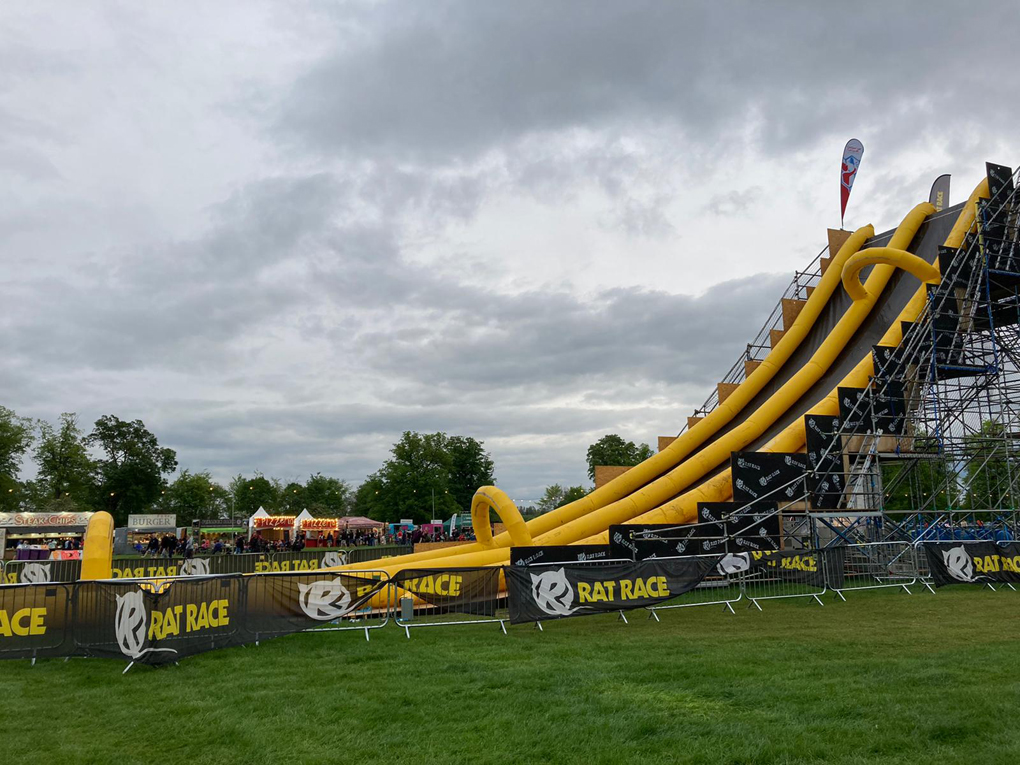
444, 80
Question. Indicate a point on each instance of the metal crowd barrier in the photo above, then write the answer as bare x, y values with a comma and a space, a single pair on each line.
411, 612
40, 571
28, 618
877, 565
366, 618
715, 590
589, 564
768, 584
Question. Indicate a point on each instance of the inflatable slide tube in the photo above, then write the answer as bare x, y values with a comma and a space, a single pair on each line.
793, 437
688, 442
679, 479
97, 547
638, 508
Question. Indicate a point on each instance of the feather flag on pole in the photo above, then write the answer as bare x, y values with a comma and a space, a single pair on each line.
852, 154
939, 195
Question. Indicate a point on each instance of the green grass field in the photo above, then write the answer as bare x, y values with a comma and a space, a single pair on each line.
885, 678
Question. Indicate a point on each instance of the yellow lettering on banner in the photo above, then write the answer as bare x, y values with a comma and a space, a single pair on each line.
154, 624
23, 623
191, 612
584, 592
626, 589
224, 618
661, 588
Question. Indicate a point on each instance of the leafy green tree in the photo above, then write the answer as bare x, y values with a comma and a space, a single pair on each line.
132, 467
367, 499
417, 478
194, 496
327, 497
15, 440
572, 494
992, 470
250, 494
551, 499
611, 449
471, 467
926, 483
292, 498
65, 467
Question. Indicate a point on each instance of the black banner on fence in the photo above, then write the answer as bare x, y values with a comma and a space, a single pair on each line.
36, 572
769, 475
459, 590
811, 567
39, 571
160, 621
526, 556
642, 541
577, 590
973, 562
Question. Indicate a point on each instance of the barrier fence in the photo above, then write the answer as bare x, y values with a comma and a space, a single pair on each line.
38, 571
155, 620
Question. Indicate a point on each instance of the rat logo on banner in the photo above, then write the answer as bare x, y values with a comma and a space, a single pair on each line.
852, 154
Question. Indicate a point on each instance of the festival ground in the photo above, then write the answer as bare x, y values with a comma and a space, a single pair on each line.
886, 678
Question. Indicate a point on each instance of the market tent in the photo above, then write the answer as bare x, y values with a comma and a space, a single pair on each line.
260, 513
360, 522
304, 515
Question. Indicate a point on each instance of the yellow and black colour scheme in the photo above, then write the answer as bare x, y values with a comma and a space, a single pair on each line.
668, 487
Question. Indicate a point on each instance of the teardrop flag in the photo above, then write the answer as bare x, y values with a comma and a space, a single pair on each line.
852, 154
939, 195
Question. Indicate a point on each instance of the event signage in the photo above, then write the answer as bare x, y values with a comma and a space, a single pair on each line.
768, 475
273, 521
808, 567
460, 590
575, 589
543, 554
162, 621
158, 521
973, 562
21, 572
853, 152
939, 195
320, 524
39, 520
666, 540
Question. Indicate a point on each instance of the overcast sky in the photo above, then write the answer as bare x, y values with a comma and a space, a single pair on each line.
283, 233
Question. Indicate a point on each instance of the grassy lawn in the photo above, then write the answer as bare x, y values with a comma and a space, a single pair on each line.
886, 678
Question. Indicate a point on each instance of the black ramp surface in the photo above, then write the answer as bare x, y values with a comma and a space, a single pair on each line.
898, 292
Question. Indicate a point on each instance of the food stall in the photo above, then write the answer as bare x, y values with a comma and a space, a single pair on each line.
140, 529
39, 530
316, 530
272, 528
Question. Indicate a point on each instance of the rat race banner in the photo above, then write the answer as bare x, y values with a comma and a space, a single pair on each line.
556, 592
973, 562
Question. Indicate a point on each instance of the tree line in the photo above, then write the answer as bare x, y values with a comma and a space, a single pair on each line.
120, 466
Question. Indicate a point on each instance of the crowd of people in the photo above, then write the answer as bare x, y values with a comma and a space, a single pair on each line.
169, 545
71, 543
404, 537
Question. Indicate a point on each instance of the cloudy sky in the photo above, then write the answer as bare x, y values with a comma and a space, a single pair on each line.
283, 233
